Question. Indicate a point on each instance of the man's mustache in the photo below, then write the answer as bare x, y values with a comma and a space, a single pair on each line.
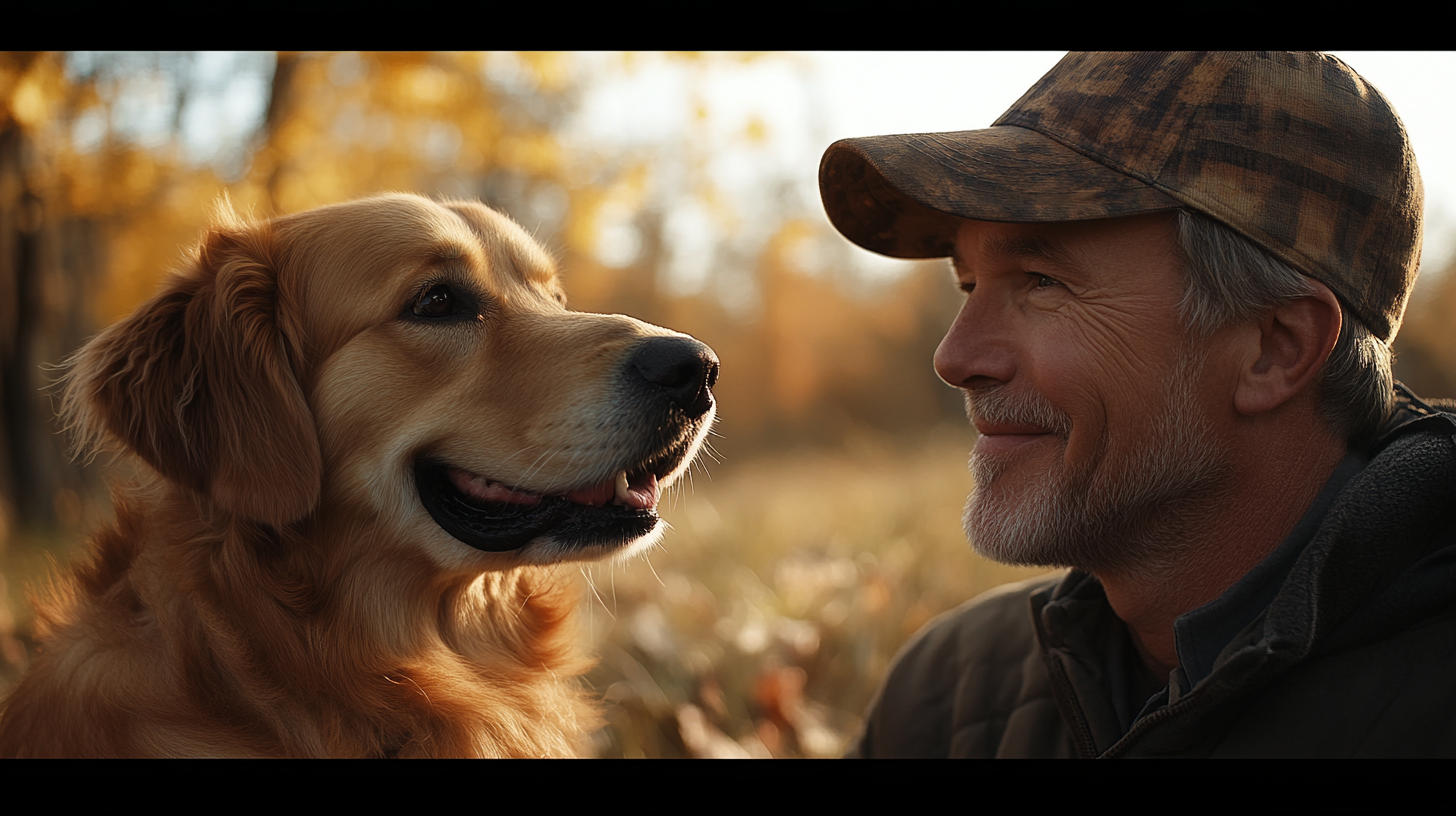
1000, 405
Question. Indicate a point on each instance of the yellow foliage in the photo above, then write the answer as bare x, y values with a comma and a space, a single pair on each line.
551, 69
586, 203
28, 105
756, 131
537, 153
420, 87
31, 94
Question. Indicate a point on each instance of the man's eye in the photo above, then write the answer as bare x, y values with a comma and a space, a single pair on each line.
1043, 281
437, 301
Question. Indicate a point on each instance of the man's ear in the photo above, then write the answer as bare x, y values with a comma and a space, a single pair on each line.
198, 383
1295, 339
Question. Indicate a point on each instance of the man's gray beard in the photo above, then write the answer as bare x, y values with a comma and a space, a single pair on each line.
1094, 518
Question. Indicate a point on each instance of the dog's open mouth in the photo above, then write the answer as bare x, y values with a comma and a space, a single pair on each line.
495, 517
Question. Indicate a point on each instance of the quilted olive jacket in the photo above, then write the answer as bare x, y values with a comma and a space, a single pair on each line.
1355, 656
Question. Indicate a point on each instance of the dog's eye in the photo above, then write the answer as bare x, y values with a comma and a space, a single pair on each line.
437, 301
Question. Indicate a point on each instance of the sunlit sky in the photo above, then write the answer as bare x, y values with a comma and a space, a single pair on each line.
809, 100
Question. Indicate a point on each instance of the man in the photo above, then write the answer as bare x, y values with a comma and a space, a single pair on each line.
1182, 275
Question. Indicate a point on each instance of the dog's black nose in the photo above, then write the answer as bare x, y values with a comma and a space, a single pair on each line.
682, 368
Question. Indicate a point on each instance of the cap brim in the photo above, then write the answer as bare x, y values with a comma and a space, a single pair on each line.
904, 196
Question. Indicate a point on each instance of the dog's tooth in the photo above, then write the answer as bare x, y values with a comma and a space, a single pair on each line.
622, 494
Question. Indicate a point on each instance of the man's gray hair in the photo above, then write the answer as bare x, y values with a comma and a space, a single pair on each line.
1231, 279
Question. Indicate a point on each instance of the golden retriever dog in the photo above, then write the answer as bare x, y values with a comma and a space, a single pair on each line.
372, 432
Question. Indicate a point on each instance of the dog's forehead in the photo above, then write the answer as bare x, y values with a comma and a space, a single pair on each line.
379, 251
375, 235
506, 241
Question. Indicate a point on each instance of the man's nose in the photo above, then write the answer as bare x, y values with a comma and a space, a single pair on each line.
977, 348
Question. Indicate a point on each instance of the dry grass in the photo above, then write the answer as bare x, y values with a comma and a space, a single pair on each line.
764, 624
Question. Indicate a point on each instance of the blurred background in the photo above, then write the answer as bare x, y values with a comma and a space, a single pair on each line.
680, 188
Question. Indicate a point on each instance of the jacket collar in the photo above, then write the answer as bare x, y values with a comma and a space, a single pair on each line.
1382, 557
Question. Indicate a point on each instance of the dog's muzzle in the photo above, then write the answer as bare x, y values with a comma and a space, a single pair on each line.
664, 393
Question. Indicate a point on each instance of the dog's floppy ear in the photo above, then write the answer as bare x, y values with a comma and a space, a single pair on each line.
198, 383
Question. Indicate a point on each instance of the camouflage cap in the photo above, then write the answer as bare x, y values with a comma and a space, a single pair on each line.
1294, 151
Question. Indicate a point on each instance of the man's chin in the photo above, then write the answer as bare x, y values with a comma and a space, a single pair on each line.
1016, 512
1011, 532
1044, 521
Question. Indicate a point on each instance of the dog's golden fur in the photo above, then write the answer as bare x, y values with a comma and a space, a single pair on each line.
273, 586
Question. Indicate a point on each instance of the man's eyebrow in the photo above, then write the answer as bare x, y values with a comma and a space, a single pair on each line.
1037, 247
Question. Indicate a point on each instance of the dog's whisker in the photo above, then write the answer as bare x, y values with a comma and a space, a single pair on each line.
711, 452
541, 462
591, 613
591, 584
550, 576
648, 559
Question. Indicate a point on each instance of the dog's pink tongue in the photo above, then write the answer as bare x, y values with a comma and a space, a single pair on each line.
595, 496
486, 490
